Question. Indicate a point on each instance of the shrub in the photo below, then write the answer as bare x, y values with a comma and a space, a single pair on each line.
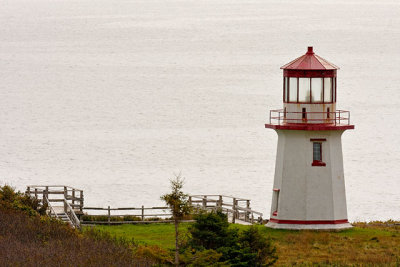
202, 258
211, 232
131, 218
153, 219
11, 199
154, 254
256, 249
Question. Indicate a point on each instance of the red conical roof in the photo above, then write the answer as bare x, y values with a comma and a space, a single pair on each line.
310, 61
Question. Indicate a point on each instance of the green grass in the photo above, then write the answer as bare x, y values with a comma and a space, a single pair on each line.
161, 234
365, 244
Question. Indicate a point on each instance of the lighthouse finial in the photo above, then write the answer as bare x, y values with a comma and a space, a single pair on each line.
310, 50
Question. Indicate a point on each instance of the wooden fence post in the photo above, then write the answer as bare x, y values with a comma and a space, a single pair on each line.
36, 193
81, 201
204, 202
142, 213
65, 192
247, 217
47, 192
109, 216
65, 199
234, 210
237, 211
190, 200
28, 190
220, 202
73, 198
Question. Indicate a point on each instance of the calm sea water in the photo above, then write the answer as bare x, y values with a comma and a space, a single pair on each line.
115, 97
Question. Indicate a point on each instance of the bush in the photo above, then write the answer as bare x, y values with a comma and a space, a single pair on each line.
211, 236
104, 218
11, 199
131, 218
202, 258
256, 249
211, 231
153, 219
154, 254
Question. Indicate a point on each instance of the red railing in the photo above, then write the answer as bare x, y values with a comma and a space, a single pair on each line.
280, 117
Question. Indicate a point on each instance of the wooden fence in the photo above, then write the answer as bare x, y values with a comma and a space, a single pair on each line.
235, 208
141, 215
70, 201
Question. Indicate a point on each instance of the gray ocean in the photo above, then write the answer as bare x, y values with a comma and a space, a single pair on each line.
116, 97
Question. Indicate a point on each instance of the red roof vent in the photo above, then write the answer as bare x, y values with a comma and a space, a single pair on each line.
310, 61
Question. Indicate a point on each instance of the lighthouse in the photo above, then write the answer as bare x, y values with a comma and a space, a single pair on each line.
309, 187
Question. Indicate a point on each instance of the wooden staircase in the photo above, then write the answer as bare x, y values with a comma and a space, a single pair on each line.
64, 217
64, 205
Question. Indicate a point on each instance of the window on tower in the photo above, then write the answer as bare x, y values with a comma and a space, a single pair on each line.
317, 154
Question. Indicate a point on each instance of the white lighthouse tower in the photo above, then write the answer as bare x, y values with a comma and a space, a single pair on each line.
309, 188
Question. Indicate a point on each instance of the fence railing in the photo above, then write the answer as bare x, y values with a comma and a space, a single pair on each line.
71, 203
58, 193
281, 117
235, 208
71, 214
128, 215
51, 212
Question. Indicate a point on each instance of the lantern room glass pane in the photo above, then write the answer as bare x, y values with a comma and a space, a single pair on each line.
334, 89
328, 90
292, 89
286, 84
304, 89
316, 90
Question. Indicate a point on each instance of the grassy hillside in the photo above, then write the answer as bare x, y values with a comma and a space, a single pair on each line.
28, 238
365, 244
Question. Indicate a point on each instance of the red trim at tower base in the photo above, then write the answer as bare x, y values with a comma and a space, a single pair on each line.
309, 127
308, 222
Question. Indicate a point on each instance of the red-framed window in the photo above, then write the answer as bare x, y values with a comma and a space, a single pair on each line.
308, 90
317, 152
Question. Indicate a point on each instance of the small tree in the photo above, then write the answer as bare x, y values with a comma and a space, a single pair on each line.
249, 247
178, 202
257, 249
211, 231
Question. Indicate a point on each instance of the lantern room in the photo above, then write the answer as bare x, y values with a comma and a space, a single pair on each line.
309, 93
309, 79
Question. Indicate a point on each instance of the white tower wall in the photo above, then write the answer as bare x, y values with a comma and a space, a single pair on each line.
303, 193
